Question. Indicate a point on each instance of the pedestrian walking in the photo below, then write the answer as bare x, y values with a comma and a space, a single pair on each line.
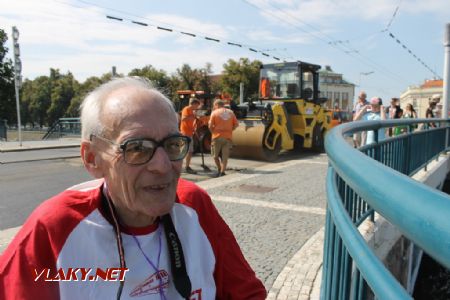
221, 124
187, 128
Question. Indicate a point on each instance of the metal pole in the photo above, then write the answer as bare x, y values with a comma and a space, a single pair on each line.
241, 93
15, 34
446, 95
19, 124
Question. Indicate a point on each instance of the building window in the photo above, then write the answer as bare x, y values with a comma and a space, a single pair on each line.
345, 104
329, 95
344, 95
337, 96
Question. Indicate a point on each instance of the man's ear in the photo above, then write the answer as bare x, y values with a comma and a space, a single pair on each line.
91, 159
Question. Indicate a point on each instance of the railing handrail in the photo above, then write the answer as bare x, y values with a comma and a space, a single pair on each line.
370, 266
395, 196
361, 172
360, 125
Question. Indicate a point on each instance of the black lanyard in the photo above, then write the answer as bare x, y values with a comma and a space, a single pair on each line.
177, 263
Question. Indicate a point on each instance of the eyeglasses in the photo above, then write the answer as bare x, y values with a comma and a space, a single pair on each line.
140, 151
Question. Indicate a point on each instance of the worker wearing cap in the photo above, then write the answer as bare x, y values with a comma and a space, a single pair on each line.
373, 112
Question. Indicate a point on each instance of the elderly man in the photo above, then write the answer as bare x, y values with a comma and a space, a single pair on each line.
143, 231
359, 137
373, 112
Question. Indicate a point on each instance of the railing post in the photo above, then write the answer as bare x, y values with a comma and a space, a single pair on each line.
407, 158
377, 147
425, 153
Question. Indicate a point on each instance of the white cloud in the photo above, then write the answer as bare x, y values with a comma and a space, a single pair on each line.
79, 38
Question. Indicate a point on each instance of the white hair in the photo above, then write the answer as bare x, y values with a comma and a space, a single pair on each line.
92, 106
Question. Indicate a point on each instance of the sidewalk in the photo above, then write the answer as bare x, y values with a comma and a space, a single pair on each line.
15, 146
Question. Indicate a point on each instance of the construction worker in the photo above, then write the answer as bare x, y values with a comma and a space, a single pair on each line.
221, 124
187, 128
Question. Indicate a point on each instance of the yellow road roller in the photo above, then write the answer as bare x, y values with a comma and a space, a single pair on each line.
289, 114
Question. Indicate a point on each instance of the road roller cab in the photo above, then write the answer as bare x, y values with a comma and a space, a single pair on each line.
289, 114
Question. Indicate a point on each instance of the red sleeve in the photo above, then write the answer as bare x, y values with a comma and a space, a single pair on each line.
234, 277
36, 246
30, 251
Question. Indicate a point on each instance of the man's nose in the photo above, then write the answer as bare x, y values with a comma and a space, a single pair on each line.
160, 161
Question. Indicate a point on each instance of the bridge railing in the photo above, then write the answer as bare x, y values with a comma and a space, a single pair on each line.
376, 178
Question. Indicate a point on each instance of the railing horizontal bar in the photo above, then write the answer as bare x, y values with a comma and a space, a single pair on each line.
384, 190
375, 273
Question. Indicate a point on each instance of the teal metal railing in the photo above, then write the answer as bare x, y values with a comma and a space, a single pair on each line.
63, 127
376, 178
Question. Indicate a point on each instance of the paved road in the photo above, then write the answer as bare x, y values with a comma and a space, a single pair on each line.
273, 209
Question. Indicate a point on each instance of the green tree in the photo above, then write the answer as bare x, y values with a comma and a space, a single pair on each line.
84, 88
189, 78
37, 95
7, 98
204, 81
159, 78
63, 89
244, 71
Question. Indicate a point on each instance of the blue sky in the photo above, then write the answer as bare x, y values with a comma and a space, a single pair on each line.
348, 35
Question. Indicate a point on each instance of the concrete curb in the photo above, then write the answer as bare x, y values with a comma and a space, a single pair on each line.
39, 159
300, 278
38, 148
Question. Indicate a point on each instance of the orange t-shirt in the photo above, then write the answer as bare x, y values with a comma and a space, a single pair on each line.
187, 127
222, 122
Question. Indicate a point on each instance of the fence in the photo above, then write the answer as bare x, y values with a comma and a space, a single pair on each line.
63, 127
375, 178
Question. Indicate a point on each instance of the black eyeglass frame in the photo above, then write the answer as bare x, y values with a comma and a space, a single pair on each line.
122, 146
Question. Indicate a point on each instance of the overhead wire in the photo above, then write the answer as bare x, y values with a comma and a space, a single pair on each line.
396, 39
326, 39
171, 28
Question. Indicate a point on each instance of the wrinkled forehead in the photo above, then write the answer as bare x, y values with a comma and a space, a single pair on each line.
137, 107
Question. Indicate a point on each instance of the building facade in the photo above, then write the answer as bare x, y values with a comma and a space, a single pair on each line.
336, 89
420, 96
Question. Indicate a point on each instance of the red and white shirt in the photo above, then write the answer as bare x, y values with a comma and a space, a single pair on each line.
72, 230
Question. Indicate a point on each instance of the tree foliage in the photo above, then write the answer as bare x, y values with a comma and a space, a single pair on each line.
7, 98
47, 98
244, 71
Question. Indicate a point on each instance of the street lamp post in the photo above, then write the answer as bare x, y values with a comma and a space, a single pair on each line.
17, 77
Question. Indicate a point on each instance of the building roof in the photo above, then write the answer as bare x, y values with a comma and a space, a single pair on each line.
432, 83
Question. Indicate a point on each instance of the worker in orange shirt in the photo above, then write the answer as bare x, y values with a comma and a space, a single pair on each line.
221, 124
187, 127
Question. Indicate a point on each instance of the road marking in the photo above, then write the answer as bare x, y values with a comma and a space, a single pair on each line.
232, 178
270, 204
